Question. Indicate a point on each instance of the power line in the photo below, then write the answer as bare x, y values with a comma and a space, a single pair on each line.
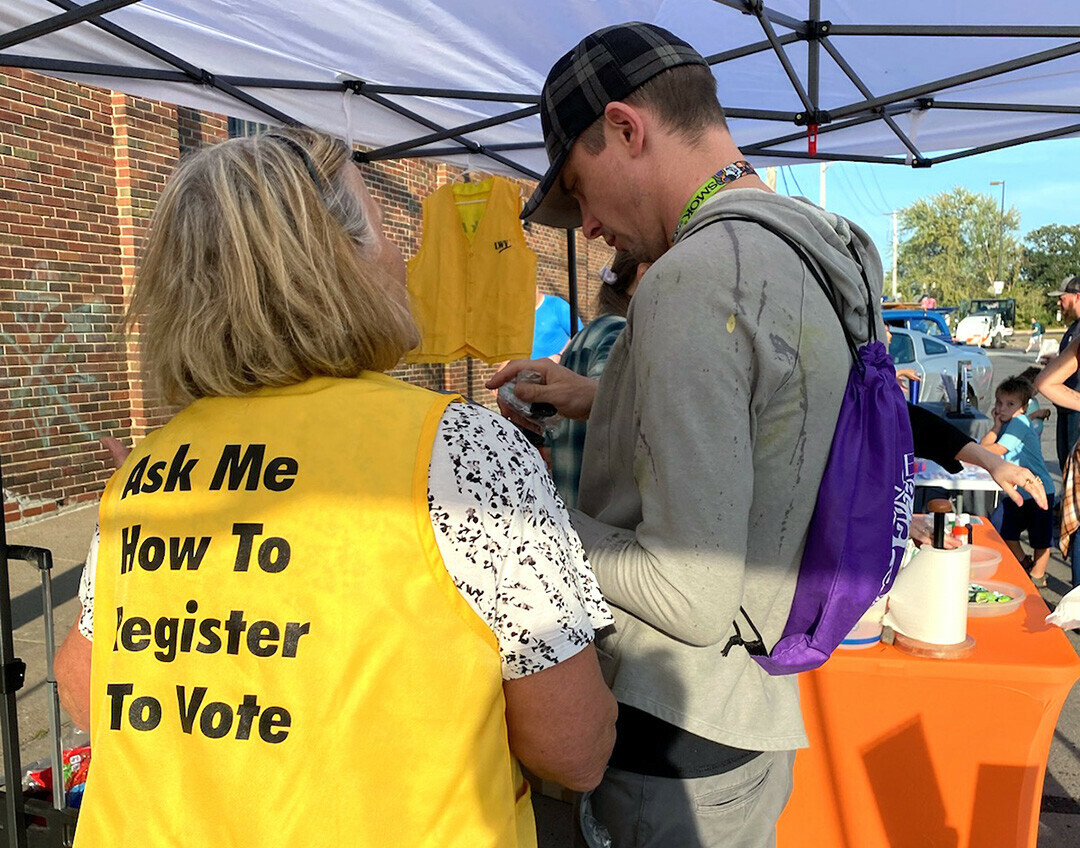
796, 181
877, 185
869, 195
853, 194
860, 193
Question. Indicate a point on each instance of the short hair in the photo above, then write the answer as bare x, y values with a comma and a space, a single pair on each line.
257, 271
1029, 374
613, 298
683, 99
1017, 386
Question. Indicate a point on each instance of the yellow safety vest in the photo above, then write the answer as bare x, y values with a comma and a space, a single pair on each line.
280, 657
473, 283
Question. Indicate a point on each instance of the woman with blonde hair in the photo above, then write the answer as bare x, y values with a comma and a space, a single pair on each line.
325, 607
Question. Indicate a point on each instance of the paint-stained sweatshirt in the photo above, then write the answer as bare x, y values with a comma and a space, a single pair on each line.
706, 444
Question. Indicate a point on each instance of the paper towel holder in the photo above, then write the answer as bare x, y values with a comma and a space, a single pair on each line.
931, 651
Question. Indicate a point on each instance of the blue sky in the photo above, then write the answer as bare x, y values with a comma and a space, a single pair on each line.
1042, 182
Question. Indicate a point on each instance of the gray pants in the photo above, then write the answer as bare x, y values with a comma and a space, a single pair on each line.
737, 809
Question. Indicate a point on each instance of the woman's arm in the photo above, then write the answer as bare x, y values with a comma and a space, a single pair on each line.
1008, 475
936, 439
1051, 380
72, 668
508, 545
561, 721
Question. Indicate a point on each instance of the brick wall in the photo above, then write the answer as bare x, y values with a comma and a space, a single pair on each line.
80, 172
62, 375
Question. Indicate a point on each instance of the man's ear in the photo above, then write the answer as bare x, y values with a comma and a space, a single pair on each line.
625, 125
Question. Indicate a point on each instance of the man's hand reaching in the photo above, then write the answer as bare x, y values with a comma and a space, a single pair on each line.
570, 393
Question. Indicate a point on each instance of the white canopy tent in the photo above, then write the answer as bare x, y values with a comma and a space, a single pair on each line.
914, 83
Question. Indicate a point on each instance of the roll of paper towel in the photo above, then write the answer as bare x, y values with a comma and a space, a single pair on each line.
929, 599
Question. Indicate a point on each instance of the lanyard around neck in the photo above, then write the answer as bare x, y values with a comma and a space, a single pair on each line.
714, 184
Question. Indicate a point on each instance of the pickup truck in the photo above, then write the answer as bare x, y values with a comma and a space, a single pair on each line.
985, 329
929, 321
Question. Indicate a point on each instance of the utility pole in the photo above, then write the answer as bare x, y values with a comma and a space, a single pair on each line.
1001, 224
821, 192
895, 248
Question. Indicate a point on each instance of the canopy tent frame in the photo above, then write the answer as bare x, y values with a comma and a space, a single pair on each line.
779, 31
818, 33
445, 140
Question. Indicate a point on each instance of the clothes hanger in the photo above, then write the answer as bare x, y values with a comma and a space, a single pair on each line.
467, 177
470, 173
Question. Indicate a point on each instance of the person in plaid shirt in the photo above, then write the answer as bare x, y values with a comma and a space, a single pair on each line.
586, 354
1055, 382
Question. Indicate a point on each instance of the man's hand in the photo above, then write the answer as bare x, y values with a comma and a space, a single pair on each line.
571, 394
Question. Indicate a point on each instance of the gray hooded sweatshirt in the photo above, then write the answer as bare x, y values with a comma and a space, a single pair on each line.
706, 445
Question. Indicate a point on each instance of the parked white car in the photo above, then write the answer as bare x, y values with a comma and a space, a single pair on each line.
985, 329
933, 359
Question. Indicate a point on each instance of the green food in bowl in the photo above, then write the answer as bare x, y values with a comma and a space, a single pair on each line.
981, 595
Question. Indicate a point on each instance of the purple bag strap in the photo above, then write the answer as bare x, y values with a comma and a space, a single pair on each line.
756, 646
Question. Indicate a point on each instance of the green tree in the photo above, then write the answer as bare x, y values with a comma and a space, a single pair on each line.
949, 246
1051, 253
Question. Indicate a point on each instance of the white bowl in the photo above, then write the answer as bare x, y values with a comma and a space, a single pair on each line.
984, 562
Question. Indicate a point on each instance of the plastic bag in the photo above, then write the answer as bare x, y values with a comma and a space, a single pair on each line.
75, 764
543, 415
1067, 613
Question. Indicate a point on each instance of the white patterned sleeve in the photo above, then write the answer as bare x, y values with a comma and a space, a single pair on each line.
508, 544
86, 589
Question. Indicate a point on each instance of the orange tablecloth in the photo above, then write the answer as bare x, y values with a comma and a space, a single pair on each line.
915, 752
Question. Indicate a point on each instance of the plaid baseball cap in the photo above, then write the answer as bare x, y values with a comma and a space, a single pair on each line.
604, 67
1070, 285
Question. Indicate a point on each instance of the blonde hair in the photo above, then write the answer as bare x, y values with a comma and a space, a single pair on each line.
252, 275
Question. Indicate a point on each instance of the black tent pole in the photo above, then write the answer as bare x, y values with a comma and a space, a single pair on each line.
571, 279
12, 674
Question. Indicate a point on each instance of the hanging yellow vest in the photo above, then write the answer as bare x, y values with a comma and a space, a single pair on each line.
473, 283
280, 657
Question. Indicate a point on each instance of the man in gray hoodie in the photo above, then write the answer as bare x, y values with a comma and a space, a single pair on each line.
708, 432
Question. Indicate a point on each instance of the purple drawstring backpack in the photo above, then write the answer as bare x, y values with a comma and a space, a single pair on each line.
860, 524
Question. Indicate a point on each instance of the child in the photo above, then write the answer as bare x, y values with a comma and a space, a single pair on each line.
1035, 339
1014, 438
1036, 415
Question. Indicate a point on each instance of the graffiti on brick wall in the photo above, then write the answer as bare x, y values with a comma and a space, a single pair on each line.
42, 369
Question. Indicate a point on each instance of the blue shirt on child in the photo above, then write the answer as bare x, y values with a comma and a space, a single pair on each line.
1023, 447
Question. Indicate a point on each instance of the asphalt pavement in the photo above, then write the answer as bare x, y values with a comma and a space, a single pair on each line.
1059, 822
